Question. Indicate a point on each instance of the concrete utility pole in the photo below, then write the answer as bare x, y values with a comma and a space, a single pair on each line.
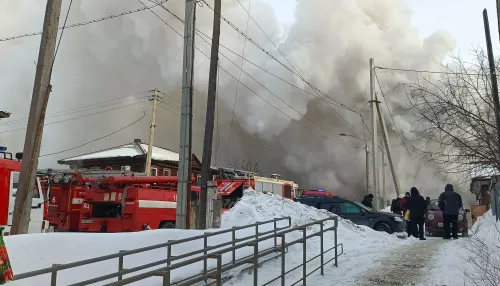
373, 106
39, 100
184, 183
388, 149
384, 192
493, 74
209, 121
367, 160
152, 134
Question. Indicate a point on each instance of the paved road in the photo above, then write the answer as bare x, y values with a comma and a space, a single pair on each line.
405, 265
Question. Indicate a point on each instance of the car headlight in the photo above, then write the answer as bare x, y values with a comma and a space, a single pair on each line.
396, 218
430, 217
460, 217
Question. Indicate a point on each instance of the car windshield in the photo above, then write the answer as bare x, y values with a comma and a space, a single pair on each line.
363, 206
434, 205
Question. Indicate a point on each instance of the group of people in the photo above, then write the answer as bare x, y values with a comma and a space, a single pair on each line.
414, 208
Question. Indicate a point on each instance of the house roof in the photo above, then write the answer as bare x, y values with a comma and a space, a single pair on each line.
128, 150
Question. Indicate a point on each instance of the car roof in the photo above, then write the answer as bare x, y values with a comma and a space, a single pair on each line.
323, 198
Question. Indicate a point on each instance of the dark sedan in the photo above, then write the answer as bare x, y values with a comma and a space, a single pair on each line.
356, 212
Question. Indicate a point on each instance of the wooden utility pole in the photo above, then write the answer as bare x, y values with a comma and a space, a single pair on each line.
493, 73
209, 121
373, 105
152, 134
367, 169
39, 100
184, 183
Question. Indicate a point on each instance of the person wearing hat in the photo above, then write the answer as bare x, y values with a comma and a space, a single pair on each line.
450, 203
367, 200
416, 205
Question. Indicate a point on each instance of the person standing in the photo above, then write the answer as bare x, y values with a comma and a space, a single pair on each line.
450, 202
402, 205
395, 206
367, 201
417, 205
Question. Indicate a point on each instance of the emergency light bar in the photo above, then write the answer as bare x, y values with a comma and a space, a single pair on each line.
3, 148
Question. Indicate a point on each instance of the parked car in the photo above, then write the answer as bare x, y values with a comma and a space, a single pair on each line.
434, 222
356, 212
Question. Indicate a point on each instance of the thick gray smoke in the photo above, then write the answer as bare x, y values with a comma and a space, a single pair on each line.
329, 43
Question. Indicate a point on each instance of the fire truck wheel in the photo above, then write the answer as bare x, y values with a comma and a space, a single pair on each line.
166, 224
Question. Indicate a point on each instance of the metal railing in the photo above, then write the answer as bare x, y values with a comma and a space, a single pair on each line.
253, 259
56, 268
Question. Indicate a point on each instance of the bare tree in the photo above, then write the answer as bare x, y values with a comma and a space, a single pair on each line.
245, 164
453, 113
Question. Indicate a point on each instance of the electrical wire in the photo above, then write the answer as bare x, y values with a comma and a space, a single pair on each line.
237, 86
74, 118
296, 121
84, 23
413, 70
390, 113
60, 38
289, 62
78, 109
97, 139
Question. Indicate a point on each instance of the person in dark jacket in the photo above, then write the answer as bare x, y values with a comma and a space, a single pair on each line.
450, 203
367, 200
395, 206
417, 205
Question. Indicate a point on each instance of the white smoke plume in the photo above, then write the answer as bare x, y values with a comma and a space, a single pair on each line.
329, 43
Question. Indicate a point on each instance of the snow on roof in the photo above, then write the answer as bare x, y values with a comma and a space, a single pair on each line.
129, 150
162, 154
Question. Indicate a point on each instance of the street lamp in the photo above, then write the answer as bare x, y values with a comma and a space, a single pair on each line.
367, 160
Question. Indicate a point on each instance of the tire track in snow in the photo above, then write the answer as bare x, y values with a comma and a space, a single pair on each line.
405, 265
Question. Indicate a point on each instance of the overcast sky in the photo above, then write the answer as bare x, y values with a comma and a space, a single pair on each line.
463, 19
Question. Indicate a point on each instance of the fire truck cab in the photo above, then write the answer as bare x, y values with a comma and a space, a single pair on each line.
9, 179
231, 183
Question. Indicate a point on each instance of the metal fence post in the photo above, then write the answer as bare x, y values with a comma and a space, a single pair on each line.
283, 261
255, 263
53, 276
275, 237
304, 257
321, 247
205, 245
233, 232
169, 253
335, 236
166, 277
257, 231
218, 281
120, 265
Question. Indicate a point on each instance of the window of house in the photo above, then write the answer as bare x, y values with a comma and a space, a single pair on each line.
288, 191
154, 171
167, 172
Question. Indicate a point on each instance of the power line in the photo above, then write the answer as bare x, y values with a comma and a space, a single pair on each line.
283, 55
74, 118
420, 71
60, 38
84, 23
390, 113
237, 86
76, 110
341, 143
97, 139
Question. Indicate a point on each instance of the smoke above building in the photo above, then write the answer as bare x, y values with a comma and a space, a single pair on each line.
285, 129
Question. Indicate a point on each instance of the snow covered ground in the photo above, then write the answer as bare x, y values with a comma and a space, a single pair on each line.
34, 251
370, 257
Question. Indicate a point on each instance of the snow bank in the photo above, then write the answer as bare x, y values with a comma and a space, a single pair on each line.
474, 258
387, 209
35, 251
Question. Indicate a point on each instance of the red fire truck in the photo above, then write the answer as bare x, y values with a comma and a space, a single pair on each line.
9, 177
231, 183
130, 203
